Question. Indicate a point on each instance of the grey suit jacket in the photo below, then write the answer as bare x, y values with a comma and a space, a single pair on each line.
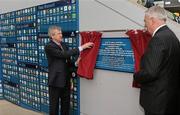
159, 73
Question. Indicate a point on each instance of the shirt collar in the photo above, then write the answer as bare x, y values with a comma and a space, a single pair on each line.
56, 42
158, 29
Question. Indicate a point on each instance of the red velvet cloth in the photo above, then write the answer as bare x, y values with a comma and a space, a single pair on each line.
139, 41
88, 56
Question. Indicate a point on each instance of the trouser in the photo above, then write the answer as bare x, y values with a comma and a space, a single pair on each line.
57, 94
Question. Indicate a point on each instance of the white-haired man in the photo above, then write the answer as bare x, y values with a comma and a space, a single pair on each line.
58, 55
159, 67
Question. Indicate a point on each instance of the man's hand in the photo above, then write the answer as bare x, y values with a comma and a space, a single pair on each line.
77, 61
87, 45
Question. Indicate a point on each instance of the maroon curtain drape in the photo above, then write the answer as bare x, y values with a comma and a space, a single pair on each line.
88, 56
139, 41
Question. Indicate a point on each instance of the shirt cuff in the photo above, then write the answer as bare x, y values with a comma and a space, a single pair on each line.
75, 63
80, 48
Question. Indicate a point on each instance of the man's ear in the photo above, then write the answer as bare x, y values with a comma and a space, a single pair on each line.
153, 20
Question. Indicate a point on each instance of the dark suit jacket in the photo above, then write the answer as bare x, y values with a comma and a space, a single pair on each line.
159, 73
58, 64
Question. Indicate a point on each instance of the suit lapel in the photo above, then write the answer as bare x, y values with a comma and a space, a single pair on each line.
54, 44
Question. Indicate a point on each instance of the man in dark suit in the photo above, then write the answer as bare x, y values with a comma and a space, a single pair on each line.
159, 67
58, 79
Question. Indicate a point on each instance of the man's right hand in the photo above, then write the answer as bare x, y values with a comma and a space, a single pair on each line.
87, 45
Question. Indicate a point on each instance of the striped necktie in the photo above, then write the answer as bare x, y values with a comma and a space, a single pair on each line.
60, 46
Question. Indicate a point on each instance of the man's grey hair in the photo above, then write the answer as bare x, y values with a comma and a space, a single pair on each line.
157, 12
51, 30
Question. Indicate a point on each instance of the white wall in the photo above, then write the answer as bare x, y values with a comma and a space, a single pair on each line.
94, 16
111, 93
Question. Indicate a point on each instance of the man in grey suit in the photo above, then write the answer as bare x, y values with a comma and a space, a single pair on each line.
159, 73
58, 79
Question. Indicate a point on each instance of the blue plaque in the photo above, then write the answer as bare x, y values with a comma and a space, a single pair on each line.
115, 54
